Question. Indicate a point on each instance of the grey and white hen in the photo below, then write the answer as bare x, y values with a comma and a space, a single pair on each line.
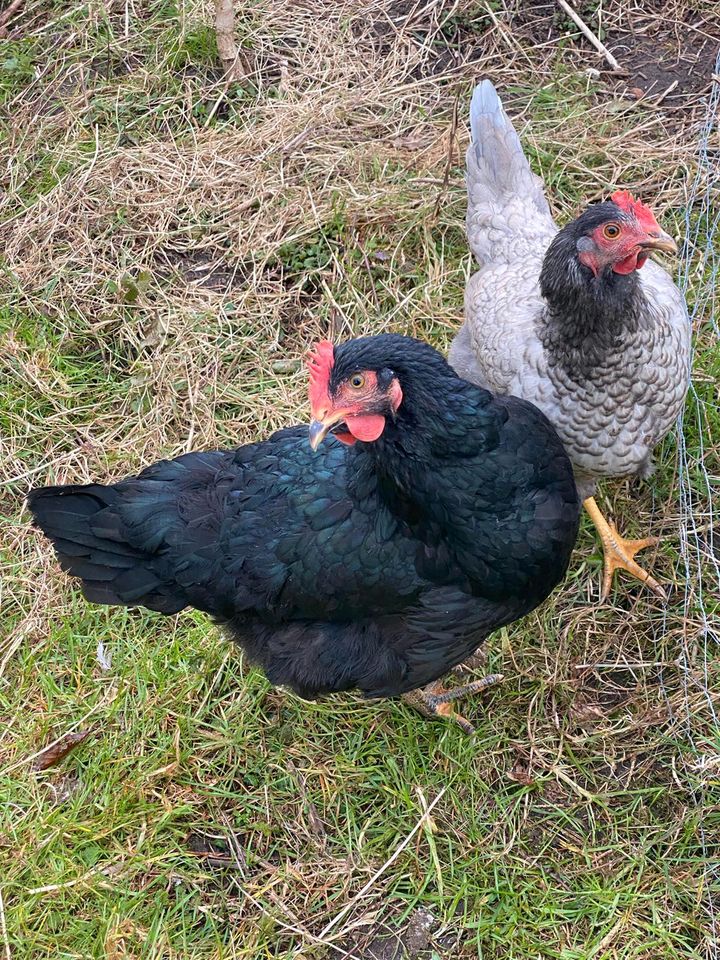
568, 320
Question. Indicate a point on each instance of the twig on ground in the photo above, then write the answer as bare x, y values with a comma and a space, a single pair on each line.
105, 870
378, 873
594, 40
3, 928
227, 47
448, 163
6, 15
666, 92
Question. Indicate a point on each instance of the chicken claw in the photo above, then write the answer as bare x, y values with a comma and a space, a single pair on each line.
435, 700
619, 553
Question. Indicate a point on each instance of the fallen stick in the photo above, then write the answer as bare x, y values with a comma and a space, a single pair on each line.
669, 90
6, 15
594, 40
227, 47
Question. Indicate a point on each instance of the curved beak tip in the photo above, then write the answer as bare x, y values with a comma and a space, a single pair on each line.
316, 433
662, 242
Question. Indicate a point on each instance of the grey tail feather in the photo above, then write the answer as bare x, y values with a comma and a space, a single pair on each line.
485, 103
501, 162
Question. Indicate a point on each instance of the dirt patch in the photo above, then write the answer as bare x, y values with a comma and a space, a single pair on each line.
667, 52
297, 294
664, 50
210, 269
453, 41
537, 21
669, 59
421, 938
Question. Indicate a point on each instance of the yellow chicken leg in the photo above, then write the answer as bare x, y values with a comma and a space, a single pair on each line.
619, 552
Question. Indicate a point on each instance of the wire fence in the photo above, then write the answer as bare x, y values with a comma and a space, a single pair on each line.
699, 558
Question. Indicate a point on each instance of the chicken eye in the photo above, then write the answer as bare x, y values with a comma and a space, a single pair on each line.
357, 381
611, 231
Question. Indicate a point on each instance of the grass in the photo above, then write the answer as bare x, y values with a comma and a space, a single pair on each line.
171, 245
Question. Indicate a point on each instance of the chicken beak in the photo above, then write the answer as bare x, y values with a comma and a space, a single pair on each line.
319, 429
317, 433
660, 241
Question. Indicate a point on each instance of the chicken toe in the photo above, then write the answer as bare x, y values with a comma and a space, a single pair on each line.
435, 700
619, 553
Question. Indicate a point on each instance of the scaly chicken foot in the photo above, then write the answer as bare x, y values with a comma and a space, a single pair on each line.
618, 552
435, 700
474, 664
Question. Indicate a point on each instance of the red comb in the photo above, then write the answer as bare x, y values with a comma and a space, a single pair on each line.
320, 363
644, 215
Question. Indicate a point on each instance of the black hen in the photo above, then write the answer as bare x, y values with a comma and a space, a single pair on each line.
377, 563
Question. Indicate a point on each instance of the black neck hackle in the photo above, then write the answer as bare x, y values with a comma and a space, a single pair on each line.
586, 316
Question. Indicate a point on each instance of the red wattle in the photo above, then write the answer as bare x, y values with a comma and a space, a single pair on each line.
628, 264
367, 427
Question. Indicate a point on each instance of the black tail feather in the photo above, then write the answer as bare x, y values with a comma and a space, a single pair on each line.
85, 527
